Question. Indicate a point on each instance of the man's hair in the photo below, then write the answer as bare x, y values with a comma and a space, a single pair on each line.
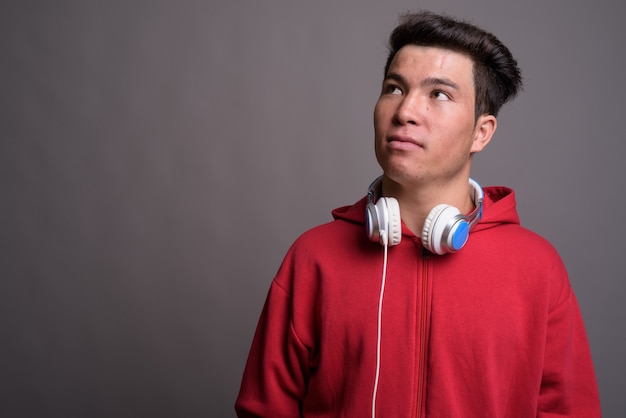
496, 75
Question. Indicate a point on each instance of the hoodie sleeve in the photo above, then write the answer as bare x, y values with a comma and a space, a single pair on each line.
568, 386
274, 382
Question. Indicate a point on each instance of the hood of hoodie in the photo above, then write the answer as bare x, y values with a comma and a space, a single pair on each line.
499, 207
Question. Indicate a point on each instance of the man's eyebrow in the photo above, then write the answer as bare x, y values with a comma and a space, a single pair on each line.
437, 81
430, 81
396, 77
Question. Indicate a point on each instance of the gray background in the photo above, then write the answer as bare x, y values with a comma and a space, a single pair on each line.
158, 158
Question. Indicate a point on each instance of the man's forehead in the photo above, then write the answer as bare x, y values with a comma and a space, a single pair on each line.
437, 60
433, 54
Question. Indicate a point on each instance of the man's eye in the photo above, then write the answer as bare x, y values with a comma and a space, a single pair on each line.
440, 95
393, 90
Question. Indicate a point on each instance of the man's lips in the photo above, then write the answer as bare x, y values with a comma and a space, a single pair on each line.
403, 142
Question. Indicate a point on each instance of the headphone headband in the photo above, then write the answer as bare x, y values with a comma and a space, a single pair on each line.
477, 198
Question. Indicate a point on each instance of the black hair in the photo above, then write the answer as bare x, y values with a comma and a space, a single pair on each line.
497, 76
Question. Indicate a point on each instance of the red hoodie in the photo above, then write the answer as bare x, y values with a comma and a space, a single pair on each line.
493, 330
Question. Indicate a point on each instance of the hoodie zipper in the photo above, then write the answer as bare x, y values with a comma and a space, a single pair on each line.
423, 335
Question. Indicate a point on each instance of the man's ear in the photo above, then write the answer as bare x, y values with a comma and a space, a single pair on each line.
483, 132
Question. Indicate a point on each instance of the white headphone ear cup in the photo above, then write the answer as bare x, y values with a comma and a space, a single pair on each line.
371, 223
378, 221
395, 221
383, 219
435, 227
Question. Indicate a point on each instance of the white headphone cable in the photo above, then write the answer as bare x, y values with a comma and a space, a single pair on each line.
379, 328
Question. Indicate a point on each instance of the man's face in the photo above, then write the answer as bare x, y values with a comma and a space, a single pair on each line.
424, 119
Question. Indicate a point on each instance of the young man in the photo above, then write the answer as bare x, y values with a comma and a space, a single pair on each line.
430, 319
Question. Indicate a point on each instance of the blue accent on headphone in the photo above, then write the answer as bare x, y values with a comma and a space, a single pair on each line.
460, 236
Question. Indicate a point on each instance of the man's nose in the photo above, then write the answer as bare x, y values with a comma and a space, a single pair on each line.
410, 110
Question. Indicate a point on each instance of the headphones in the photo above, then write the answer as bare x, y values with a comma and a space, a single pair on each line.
445, 230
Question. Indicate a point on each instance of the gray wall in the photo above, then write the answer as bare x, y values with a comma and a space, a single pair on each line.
158, 158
